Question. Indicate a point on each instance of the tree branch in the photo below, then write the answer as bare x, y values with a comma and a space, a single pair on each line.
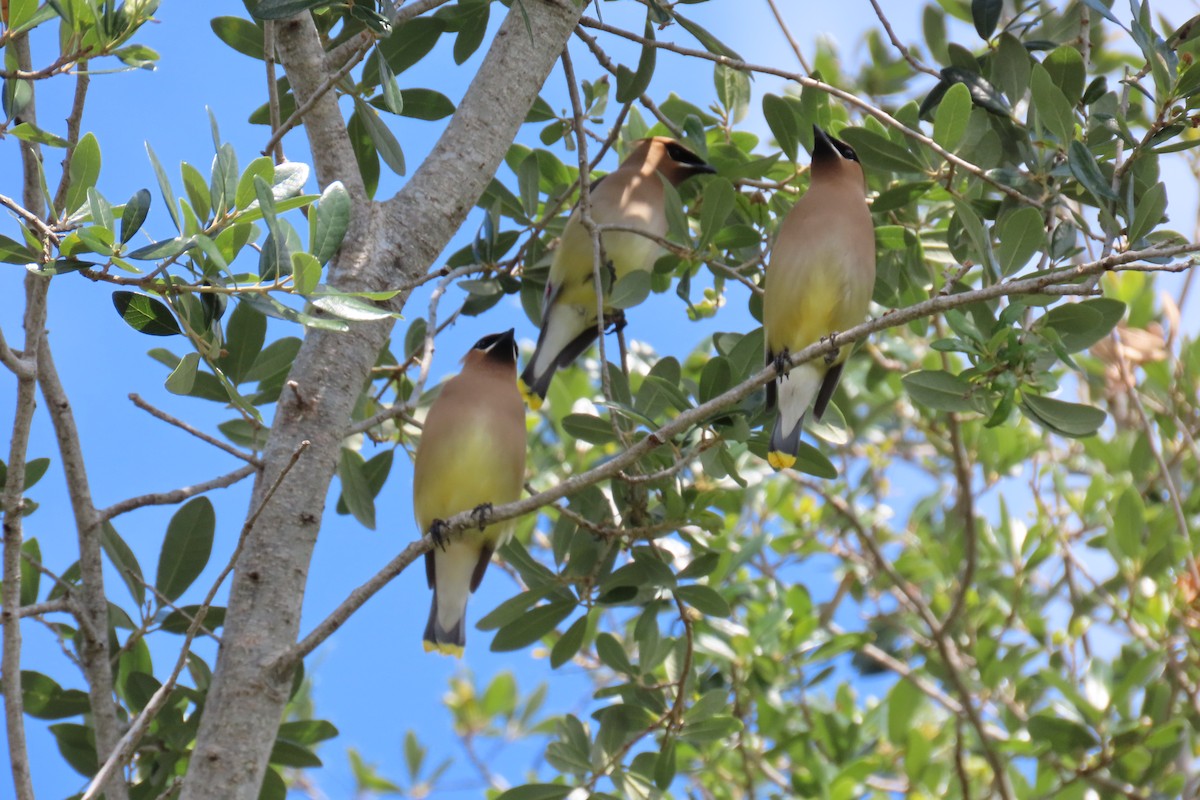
93, 601
176, 495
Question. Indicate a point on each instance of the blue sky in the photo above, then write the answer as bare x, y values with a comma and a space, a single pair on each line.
371, 678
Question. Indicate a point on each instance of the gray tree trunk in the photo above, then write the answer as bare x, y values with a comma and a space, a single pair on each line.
388, 244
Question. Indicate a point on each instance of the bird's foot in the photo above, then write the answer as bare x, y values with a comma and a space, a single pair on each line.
615, 321
437, 532
481, 514
832, 355
783, 362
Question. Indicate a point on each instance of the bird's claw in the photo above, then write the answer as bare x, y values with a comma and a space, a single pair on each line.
783, 362
481, 514
437, 532
832, 355
615, 321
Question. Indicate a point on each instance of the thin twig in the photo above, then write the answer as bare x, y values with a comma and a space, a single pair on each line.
904, 51
177, 495
204, 437
787, 34
138, 726
272, 87
846, 97
297, 116
685, 420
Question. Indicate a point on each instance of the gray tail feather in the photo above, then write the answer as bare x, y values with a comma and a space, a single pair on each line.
436, 634
540, 384
786, 441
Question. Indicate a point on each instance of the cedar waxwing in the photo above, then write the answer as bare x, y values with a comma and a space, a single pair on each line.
632, 194
819, 281
471, 456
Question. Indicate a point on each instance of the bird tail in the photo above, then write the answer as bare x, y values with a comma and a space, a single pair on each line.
555, 351
448, 642
795, 393
785, 444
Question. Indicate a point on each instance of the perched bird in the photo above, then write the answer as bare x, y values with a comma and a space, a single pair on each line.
632, 195
470, 457
819, 282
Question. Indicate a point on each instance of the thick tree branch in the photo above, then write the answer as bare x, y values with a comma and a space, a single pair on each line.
387, 244
614, 466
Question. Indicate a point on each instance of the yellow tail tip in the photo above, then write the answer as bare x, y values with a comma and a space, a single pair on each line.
531, 399
455, 650
779, 460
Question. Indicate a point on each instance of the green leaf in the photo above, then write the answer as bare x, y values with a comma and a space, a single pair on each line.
531, 626
1021, 235
83, 172
425, 104
1086, 170
240, 34
31, 576
983, 94
393, 99
719, 202
1067, 735
167, 248
1067, 72
630, 290
178, 622
704, 599
1053, 108
307, 731
381, 136
1148, 212
986, 14
244, 336
879, 152
261, 167
715, 378
186, 547
630, 84
275, 358
733, 90
288, 754
333, 218
13, 252
952, 115
356, 490
134, 215
145, 314
472, 25
588, 428
183, 377
1067, 419
784, 124
1081, 325
939, 390
351, 308
306, 273
77, 744
164, 186
406, 46
28, 132
569, 643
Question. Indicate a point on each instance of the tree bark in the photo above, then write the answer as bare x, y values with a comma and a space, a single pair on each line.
388, 244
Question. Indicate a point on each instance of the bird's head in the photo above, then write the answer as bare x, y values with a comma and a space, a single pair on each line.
834, 159
675, 162
495, 348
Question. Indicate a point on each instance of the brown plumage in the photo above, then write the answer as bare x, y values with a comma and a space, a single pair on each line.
471, 456
632, 195
819, 281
